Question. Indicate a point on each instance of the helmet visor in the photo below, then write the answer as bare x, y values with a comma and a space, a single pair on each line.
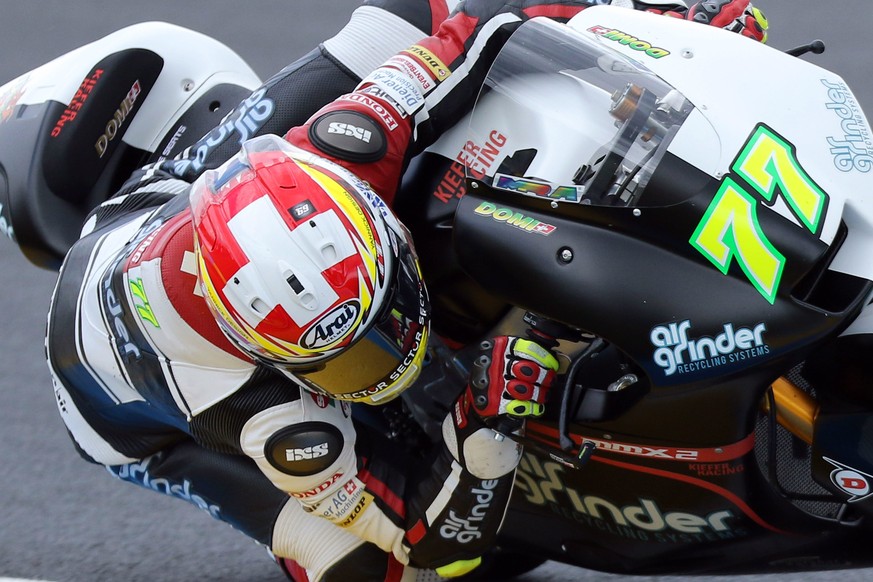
388, 358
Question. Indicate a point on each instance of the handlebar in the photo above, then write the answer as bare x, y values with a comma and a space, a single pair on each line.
547, 332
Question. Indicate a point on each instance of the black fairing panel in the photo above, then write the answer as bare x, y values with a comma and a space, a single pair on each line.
632, 271
83, 142
43, 224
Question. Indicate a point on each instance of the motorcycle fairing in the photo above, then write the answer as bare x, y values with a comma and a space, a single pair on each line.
736, 84
639, 244
518, 254
626, 268
630, 513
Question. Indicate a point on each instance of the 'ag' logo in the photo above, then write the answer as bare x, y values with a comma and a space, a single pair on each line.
851, 481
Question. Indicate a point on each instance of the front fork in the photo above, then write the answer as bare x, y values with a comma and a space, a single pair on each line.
796, 411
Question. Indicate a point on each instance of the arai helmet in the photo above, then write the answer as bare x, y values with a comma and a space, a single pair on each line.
307, 270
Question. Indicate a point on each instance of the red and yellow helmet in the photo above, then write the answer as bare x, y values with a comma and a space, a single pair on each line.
306, 269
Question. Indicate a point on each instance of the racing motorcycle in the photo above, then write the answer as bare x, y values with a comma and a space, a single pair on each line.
692, 245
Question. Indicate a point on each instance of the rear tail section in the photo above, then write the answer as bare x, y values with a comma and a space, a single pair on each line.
72, 130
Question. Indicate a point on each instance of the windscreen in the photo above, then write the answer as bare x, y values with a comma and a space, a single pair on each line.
563, 116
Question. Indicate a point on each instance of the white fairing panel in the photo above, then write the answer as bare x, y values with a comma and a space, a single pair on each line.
193, 63
736, 84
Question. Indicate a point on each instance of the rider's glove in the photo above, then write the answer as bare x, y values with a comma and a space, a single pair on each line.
511, 378
734, 15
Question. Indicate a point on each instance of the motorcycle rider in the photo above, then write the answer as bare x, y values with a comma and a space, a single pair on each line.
187, 349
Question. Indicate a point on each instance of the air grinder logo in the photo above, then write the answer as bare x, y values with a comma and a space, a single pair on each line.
853, 148
676, 353
334, 326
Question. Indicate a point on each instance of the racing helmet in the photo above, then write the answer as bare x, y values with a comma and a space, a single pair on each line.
307, 270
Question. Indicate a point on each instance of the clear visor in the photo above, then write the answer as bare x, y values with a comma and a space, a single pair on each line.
563, 116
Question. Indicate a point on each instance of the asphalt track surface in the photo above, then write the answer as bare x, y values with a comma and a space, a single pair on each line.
62, 519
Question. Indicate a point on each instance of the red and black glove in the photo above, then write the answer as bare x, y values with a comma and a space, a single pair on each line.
510, 378
734, 15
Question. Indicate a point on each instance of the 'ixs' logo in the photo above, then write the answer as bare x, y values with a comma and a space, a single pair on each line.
629, 41
333, 326
350, 130
851, 481
307, 453
676, 353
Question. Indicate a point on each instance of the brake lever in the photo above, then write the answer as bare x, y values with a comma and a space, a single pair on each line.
816, 47
546, 332
595, 347
565, 457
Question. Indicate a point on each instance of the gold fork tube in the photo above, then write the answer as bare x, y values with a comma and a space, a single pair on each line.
796, 411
